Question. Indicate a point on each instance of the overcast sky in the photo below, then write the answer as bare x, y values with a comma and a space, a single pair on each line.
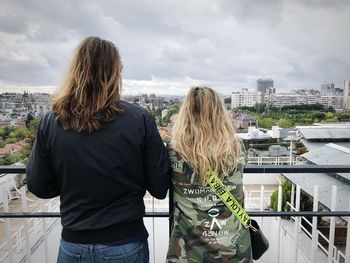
169, 46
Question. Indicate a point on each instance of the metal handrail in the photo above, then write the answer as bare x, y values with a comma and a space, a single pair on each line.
247, 169
166, 214
251, 168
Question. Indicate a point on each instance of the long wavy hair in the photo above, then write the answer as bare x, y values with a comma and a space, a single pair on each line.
89, 94
203, 134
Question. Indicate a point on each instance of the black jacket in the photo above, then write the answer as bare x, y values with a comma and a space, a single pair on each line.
101, 177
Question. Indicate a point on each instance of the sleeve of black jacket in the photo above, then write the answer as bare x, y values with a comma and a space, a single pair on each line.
156, 161
41, 179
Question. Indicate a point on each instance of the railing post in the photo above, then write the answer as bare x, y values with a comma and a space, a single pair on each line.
279, 209
262, 193
332, 225
296, 227
347, 249
314, 226
290, 152
292, 195
25, 224
7, 225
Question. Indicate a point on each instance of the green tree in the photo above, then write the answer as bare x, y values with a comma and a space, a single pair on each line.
266, 122
22, 133
29, 119
2, 132
274, 110
305, 200
319, 115
33, 127
11, 140
11, 158
343, 116
260, 107
334, 119
286, 194
8, 130
285, 123
331, 109
172, 110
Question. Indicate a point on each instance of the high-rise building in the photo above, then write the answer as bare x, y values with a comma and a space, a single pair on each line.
346, 94
157, 101
327, 88
264, 86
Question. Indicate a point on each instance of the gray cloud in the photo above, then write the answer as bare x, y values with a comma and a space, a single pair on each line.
12, 24
228, 44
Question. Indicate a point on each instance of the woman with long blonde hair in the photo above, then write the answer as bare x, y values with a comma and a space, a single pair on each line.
99, 154
204, 229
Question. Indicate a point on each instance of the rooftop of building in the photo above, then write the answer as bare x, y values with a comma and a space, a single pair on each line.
324, 132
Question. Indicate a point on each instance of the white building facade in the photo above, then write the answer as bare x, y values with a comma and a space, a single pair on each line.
245, 98
346, 101
331, 101
285, 99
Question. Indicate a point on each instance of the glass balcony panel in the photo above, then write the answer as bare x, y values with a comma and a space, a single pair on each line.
290, 239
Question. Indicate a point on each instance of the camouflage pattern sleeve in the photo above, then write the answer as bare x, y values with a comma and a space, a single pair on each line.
204, 228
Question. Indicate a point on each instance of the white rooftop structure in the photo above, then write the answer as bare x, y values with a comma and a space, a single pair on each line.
325, 183
253, 133
324, 132
333, 124
325, 153
330, 154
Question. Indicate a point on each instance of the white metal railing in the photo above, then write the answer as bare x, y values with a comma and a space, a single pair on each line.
333, 254
27, 234
23, 241
7, 183
257, 199
259, 160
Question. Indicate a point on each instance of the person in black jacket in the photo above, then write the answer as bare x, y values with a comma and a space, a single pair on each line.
99, 154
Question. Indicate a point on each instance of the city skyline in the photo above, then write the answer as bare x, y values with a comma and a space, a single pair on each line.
148, 87
167, 46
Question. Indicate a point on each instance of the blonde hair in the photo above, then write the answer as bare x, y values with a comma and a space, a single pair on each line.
203, 134
89, 94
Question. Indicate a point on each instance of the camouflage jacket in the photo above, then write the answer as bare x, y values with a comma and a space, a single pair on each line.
204, 229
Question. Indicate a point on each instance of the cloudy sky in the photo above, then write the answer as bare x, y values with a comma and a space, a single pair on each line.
168, 46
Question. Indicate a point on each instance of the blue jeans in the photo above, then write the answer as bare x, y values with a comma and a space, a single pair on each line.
136, 252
